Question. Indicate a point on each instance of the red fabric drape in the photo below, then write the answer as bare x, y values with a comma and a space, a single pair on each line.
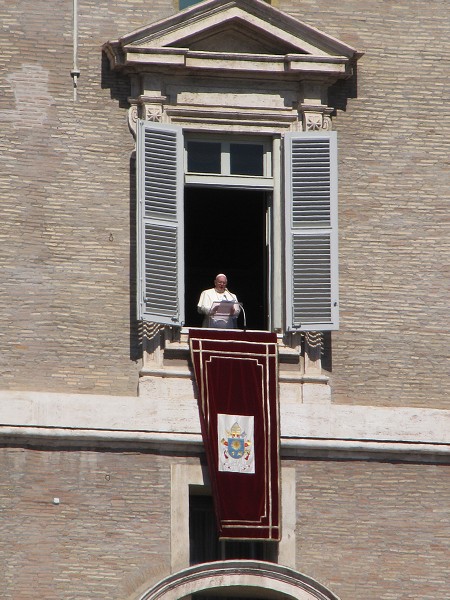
236, 374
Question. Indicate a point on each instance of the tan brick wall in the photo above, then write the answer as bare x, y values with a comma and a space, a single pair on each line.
374, 531
366, 530
393, 184
109, 534
67, 314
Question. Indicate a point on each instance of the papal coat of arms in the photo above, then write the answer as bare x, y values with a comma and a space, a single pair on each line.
236, 443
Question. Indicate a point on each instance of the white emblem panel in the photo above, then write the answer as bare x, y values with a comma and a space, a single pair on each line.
236, 443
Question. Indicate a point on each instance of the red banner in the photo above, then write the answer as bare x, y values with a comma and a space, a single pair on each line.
236, 373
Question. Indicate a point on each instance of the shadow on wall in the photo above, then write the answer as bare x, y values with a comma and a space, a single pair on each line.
136, 332
342, 90
119, 85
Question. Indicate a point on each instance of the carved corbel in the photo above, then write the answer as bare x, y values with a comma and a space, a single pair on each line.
154, 113
149, 109
152, 108
316, 118
132, 117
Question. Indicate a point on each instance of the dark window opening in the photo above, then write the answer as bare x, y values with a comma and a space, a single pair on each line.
204, 542
187, 3
225, 232
204, 157
247, 159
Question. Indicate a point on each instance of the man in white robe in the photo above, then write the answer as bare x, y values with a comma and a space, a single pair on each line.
216, 314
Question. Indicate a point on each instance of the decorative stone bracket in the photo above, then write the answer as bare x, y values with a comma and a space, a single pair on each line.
145, 108
232, 65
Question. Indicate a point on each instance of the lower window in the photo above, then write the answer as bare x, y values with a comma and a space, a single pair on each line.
204, 542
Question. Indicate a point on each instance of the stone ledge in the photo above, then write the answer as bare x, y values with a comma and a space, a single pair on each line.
336, 449
186, 373
164, 414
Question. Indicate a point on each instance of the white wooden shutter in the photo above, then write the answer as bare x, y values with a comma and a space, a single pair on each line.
160, 223
311, 231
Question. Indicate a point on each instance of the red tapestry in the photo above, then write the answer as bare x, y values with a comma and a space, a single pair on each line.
236, 373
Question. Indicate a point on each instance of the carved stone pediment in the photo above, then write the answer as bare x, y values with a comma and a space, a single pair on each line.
232, 49
236, 37
232, 34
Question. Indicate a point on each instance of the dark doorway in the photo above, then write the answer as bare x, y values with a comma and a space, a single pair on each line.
225, 232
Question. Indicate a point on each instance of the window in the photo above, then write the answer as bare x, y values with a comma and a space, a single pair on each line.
209, 205
204, 157
190, 482
205, 545
228, 158
186, 3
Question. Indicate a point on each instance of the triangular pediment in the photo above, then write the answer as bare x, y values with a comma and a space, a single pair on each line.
236, 36
220, 30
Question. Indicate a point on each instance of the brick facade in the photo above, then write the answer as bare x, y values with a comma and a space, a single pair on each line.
110, 531
67, 227
393, 142
68, 319
368, 529
374, 530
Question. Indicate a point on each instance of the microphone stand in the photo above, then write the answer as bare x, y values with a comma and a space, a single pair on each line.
243, 313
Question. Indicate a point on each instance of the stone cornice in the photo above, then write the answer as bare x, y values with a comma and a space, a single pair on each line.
234, 63
287, 46
306, 429
257, 14
231, 49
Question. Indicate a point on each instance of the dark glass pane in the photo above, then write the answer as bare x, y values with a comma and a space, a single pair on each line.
244, 549
247, 159
203, 157
186, 3
204, 543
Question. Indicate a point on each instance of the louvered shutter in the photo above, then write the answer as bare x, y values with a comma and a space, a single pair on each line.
160, 223
311, 231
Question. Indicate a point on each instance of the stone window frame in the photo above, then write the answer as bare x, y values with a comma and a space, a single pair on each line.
184, 477
274, 580
307, 229
160, 58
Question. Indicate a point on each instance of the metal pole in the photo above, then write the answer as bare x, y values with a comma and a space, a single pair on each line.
75, 72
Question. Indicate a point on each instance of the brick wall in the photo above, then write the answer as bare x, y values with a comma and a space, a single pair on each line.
109, 534
393, 184
67, 320
374, 531
366, 530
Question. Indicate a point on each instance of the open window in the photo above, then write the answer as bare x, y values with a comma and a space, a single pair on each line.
205, 206
249, 72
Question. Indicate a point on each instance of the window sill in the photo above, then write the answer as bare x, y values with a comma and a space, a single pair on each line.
176, 363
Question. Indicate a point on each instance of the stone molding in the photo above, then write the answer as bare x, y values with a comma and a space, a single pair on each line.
169, 417
232, 50
183, 477
259, 575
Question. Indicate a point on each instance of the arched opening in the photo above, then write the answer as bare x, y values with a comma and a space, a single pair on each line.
238, 579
